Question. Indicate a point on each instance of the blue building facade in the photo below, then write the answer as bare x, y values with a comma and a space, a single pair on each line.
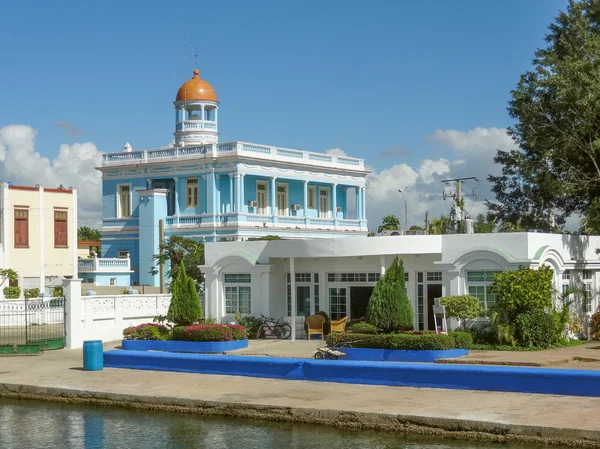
212, 191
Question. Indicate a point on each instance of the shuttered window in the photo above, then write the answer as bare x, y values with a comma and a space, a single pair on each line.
60, 229
21, 228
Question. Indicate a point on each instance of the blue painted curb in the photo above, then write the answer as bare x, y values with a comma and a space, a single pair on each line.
400, 355
461, 377
183, 346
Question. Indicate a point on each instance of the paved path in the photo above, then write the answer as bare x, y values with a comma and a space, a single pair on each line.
561, 420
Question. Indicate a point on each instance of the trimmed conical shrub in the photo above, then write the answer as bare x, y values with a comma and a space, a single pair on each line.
389, 308
185, 307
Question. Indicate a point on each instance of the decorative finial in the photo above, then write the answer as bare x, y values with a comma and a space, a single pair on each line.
196, 73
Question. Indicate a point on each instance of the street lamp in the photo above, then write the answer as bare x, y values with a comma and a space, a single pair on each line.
405, 212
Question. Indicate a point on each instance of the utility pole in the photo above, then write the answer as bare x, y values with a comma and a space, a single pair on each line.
161, 239
426, 222
457, 195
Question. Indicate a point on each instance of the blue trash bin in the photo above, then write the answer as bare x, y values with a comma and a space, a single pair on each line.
93, 355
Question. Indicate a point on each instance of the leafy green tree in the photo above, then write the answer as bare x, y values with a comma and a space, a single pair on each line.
177, 249
439, 226
389, 223
415, 228
555, 166
484, 224
87, 234
523, 291
389, 307
9, 275
463, 308
185, 308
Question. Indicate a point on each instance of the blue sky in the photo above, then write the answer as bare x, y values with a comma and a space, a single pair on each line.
315, 75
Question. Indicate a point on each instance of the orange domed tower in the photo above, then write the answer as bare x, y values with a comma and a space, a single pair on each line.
196, 108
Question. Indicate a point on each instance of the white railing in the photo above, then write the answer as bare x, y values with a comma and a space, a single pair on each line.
233, 149
107, 265
105, 317
34, 311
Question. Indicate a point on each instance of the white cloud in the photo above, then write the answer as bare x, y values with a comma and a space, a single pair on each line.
74, 165
467, 153
336, 152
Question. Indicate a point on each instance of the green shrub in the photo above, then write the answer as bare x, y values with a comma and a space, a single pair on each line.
389, 307
31, 293
596, 325
185, 308
205, 332
536, 328
12, 292
238, 332
250, 322
462, 339
148, 331
463, 308
391, 341
523, 291
364, 328
57, 291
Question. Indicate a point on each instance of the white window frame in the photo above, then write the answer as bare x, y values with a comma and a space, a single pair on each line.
286, 211
191, 200
327, 214
235, 286
311, 193
113, 282
119, 211
265, 210
486, 284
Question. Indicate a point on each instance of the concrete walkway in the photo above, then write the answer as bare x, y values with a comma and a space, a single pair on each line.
509, 417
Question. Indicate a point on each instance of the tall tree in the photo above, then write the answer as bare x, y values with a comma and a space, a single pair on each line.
484, 224
555, 169
439, 226
389, 223
85, 233
185, 307
177, 249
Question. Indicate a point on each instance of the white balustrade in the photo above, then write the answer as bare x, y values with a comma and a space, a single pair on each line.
106, 265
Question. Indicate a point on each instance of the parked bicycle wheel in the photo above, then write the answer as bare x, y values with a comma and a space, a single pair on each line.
261, 332
285, 332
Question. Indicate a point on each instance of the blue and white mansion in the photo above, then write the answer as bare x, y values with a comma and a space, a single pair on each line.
213, 191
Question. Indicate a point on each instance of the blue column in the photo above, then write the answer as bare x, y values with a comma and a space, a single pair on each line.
202, 182
242, 193
334, 202
236, 192
218, 189
305, 205
358, 206
273, 198
152, 207
231, 192
211, 194
363, 203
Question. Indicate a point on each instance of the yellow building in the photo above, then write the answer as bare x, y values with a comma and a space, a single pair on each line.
38, 234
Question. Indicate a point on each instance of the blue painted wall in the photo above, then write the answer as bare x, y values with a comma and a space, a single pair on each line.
103, 279
152, 209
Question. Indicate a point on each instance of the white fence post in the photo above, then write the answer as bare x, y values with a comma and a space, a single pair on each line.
73, 312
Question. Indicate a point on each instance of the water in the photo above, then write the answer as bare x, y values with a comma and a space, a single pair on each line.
34, 425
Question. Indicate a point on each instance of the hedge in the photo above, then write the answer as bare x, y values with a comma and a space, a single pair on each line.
365, 328
148, 331
209, 332
462, 339
394, 341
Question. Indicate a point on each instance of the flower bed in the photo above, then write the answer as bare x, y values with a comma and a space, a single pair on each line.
205, 338
400, 347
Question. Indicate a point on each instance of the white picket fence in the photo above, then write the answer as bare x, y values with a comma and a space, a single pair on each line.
33, 311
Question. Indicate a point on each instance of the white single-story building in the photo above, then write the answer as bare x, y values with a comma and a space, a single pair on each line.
296, 278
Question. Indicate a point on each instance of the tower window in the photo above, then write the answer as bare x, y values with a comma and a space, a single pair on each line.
124, 202
191, 192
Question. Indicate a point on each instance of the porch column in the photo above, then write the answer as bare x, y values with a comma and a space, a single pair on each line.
148, 184
273, 197
236, 188
202, 109
218, 192
230, 192
382, 264
73, 313
358, 208
205, 193
334, 202
305, 204
176, 199
293, 296
242, 202
362, 203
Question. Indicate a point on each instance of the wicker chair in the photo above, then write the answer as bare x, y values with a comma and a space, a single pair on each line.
314, 324
339, 325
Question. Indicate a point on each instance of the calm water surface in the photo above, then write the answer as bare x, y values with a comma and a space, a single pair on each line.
29, 425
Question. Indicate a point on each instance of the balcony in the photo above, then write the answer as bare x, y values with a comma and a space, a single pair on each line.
191, 125
241, 149
104, 265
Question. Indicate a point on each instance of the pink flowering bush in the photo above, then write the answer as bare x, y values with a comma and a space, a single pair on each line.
147, 331
209, 332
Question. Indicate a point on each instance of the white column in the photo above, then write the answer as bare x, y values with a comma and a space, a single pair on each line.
202, 109
42, 280
334, 201
231, 199
273, 196
176, 196
382, 264
305, 206
73, 219
236, 187
293, 296
241, 206
218, 193
205, 193
363, 203
358, 208
73, 313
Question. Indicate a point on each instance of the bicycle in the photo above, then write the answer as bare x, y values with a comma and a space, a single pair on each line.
274, 328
